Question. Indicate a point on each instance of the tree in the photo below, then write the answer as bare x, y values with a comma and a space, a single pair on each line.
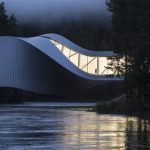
8, 25
131, 27
14, 29
3, 19
117, 65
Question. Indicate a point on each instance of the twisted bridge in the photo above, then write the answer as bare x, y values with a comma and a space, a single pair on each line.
51, 64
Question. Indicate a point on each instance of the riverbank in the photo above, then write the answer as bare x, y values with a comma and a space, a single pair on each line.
76, 106
17, 96
10, 95
121, 105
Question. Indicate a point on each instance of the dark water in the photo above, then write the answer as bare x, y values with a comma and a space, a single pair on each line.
36, 127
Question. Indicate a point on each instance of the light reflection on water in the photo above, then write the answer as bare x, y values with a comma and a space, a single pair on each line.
43, 128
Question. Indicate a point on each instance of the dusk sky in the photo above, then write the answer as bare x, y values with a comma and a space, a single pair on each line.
55, 10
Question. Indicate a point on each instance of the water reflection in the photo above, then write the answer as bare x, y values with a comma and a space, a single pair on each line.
44, 128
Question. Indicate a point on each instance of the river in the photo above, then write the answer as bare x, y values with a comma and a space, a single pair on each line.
53, 126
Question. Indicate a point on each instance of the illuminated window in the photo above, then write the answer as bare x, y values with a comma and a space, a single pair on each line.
91, 65
66, 52
83, 62
74, 57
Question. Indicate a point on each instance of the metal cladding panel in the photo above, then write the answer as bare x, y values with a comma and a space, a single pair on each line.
44, 45
35, 64
77, 48
23, 66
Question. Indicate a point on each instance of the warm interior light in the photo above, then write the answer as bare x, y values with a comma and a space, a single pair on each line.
88, 64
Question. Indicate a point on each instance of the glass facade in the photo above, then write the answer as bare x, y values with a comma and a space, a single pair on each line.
88, 64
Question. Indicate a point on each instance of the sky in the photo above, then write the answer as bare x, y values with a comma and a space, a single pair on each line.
55, 10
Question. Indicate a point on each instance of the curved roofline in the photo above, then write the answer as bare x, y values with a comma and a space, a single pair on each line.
48, 48
64, 41
43, 44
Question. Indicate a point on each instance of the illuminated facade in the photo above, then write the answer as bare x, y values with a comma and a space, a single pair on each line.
95, 65
51, 64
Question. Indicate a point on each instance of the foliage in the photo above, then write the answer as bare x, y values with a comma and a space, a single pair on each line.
117, 65
8, 24
88, 33
131, 36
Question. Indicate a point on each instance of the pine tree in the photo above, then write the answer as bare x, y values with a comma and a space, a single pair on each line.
8, 25
3, 19
131, 26
14, 29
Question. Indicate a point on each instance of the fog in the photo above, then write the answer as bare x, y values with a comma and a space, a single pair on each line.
50, 11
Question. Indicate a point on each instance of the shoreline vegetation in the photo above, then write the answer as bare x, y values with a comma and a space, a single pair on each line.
96, 94
123, 105
18, 96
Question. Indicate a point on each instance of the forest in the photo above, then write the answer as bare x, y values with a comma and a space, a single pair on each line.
131, 40
88, 32
128, 35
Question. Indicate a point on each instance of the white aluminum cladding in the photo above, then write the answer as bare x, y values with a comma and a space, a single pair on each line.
31, 64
